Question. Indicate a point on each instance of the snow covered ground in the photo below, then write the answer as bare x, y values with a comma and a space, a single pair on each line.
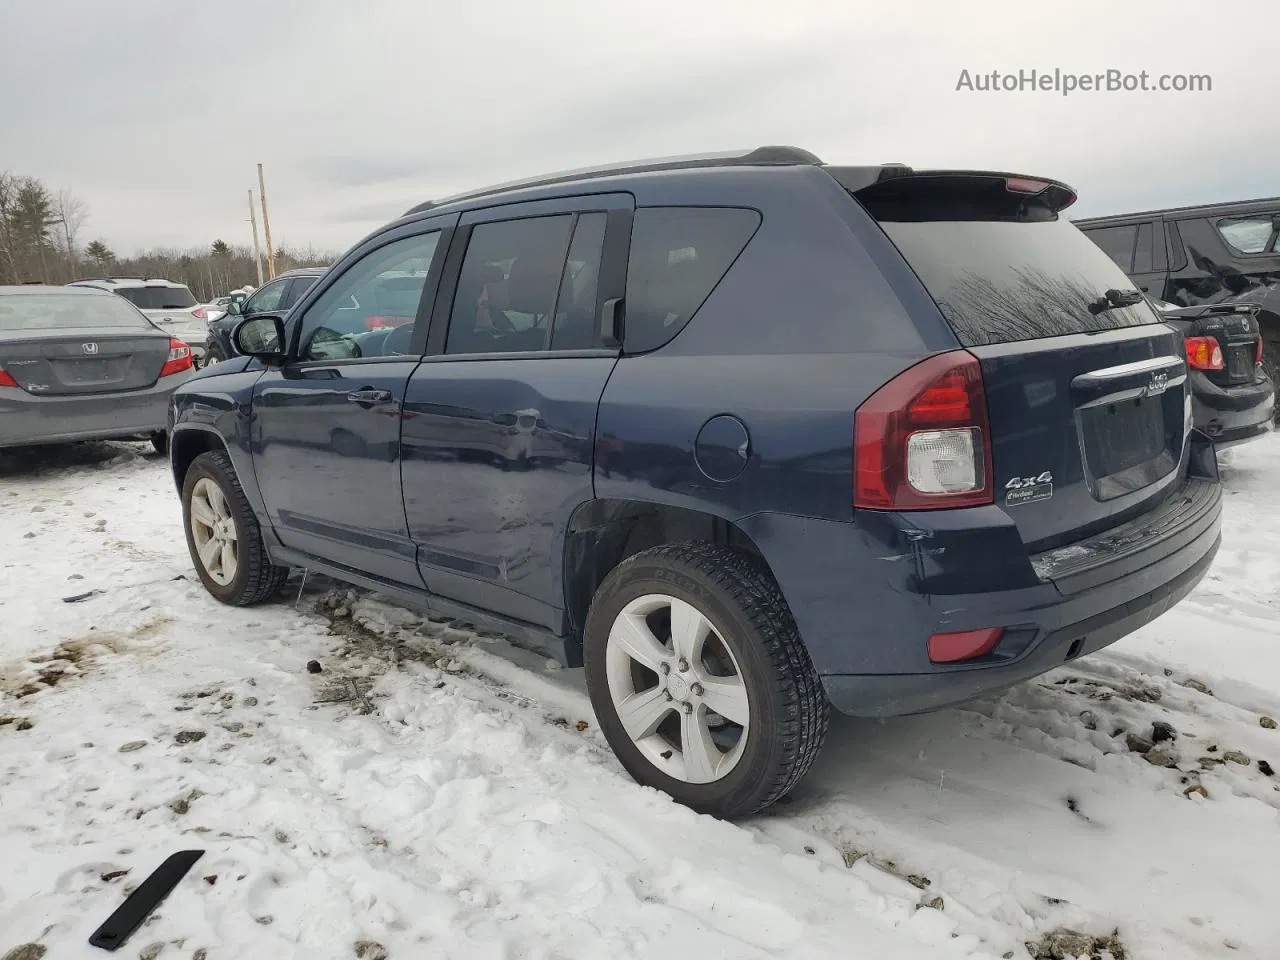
435, 794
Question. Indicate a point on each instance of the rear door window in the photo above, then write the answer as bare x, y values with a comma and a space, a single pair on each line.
1001, 269
678, 255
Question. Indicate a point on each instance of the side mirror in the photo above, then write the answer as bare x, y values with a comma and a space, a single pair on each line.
261, 336
233, 308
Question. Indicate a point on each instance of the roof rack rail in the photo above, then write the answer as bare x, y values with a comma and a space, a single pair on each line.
760, 156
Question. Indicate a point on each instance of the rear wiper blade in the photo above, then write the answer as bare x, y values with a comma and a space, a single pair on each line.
1115, 298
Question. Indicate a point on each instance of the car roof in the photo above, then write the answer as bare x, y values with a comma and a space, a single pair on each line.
130, 282
301, 272
50, 288
1225, 209
636, 175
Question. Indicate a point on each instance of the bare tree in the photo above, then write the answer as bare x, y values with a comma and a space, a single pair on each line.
8, 209
73, 212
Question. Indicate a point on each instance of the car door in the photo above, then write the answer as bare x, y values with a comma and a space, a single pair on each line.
327, 424
500, 416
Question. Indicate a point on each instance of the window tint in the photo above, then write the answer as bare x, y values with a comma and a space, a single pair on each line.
1116, 243
678, 255
1248, 234
370, 310
158, 298
577, 307
1144, 252
1000, 270
267, 299
508, 285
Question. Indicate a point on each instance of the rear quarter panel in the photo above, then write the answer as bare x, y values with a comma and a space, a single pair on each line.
817, 312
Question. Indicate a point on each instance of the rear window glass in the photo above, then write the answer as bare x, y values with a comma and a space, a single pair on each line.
1000, 270
678, 255
158, 298
65, 311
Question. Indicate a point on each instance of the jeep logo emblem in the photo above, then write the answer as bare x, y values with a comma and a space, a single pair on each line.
1158, 385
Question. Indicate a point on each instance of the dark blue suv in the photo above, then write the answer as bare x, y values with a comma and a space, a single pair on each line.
744, 435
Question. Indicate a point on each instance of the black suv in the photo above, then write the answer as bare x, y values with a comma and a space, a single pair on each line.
277, 295
744, 436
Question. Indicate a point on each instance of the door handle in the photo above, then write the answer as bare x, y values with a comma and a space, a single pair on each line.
369, 396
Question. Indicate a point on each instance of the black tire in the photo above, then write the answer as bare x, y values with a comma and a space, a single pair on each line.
256, 579
160, 440
212, 355
788, 707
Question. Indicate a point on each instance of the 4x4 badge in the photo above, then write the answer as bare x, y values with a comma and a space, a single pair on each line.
1021, 490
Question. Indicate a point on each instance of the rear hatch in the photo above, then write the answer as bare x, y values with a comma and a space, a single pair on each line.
171, 309
1085, 385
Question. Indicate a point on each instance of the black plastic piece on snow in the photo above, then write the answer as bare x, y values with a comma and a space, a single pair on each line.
139, 905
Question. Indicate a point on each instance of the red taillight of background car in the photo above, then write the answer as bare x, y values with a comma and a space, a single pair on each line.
923, 440
179, 358
382, 323
1204, 353
1257, 354
200, 313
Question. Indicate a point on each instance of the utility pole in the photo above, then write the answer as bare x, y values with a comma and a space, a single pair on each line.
257, 251
266, 225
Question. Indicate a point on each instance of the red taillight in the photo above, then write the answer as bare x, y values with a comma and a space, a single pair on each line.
199, 313
383, 323
179, 358
6, 380
1204, 353
923, 440
1257, 354
964, 645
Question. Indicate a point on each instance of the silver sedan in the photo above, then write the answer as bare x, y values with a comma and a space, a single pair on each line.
83, 364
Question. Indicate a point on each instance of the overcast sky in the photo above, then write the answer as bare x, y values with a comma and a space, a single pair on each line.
156, 112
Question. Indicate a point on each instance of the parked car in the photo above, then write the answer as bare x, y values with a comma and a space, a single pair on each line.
799, 434
170, 306
277, 295
81, 364
1219, 253
1233, 400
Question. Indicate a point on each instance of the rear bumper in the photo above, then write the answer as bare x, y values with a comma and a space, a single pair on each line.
1232, 415
26, 419
866, 598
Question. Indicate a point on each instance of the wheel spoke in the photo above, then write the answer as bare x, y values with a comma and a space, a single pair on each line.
727, 696
219, 502
689, 629
202, 512
228, 560
641, 713
633, 636
209, 551
701, 756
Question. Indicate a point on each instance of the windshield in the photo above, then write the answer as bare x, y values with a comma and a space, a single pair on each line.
158, 298
999, 269
67, 311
